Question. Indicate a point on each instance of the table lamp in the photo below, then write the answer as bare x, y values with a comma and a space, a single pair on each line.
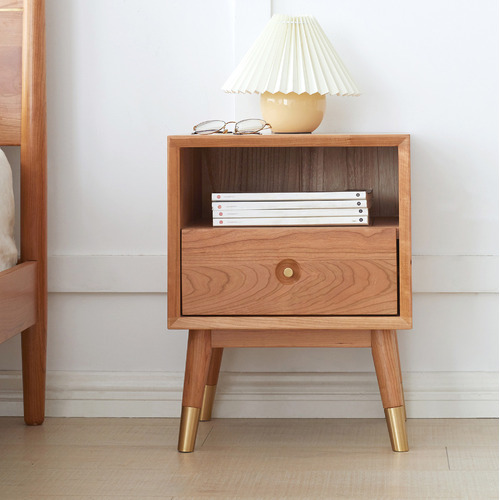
293, 65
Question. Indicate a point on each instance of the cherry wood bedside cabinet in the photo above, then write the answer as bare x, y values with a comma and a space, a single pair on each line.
282, 286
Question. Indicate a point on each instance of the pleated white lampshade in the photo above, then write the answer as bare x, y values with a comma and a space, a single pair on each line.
292, 54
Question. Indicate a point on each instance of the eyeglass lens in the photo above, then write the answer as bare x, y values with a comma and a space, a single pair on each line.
249, 126
209, 127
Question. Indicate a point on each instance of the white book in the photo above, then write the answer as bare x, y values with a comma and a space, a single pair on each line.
315, 195
313, 212
292, 221
273, 205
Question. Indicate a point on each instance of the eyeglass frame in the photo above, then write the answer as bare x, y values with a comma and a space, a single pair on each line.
224, 130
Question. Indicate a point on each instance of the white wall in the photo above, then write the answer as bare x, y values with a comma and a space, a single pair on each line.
123, 74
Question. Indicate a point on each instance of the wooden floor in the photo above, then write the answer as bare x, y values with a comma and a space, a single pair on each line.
299, 459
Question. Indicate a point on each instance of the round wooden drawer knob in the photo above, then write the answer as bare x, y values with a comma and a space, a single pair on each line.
288, 271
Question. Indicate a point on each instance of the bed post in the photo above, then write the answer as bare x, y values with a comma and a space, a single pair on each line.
34, 203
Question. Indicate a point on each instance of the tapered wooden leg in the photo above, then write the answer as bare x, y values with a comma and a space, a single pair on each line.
211, 386
386, 361
34, 348
199, 350
399, 368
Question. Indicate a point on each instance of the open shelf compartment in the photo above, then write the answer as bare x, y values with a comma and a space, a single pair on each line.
297, 169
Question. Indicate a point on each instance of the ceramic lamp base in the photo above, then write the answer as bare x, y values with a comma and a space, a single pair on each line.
293, 113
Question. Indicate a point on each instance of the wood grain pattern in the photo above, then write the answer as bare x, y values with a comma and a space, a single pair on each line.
11, 4
215, 362
287, 141
198, 356
405, 259
174, 230
290, 322
323, 169
302, 169
283, 338
344, 271
318, 242
386, 361
190, 184
17, 299
11, 37
34, 204
388, 181
398, 359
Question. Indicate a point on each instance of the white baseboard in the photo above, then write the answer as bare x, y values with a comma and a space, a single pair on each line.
258, 395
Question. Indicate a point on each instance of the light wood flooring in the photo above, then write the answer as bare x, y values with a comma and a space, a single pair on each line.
110, 458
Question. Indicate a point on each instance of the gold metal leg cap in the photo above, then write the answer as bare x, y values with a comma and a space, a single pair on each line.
208, 403
189, 427
395, 418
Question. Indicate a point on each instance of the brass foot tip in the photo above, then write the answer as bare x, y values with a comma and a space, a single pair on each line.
208, 403
189, 427
395, 418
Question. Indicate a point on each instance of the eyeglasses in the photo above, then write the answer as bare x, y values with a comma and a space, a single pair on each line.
248, 126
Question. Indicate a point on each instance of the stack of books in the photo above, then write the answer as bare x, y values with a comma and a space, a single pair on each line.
291, 209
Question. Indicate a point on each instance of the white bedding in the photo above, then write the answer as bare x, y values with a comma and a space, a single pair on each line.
8, 250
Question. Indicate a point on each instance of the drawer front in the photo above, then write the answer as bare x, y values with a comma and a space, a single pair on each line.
289, 271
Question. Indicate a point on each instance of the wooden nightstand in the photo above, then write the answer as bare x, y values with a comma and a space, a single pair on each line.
350, 286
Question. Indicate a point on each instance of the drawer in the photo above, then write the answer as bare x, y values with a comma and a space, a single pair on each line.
289, 271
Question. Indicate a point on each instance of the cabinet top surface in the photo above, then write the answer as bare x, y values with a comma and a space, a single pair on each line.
287, 140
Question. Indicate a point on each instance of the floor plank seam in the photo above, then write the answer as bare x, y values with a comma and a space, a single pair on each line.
208, 434
447, 457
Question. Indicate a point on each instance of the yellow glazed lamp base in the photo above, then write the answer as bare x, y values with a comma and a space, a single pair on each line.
293, 113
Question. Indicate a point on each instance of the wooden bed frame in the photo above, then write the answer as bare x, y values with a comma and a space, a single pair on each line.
23, 288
